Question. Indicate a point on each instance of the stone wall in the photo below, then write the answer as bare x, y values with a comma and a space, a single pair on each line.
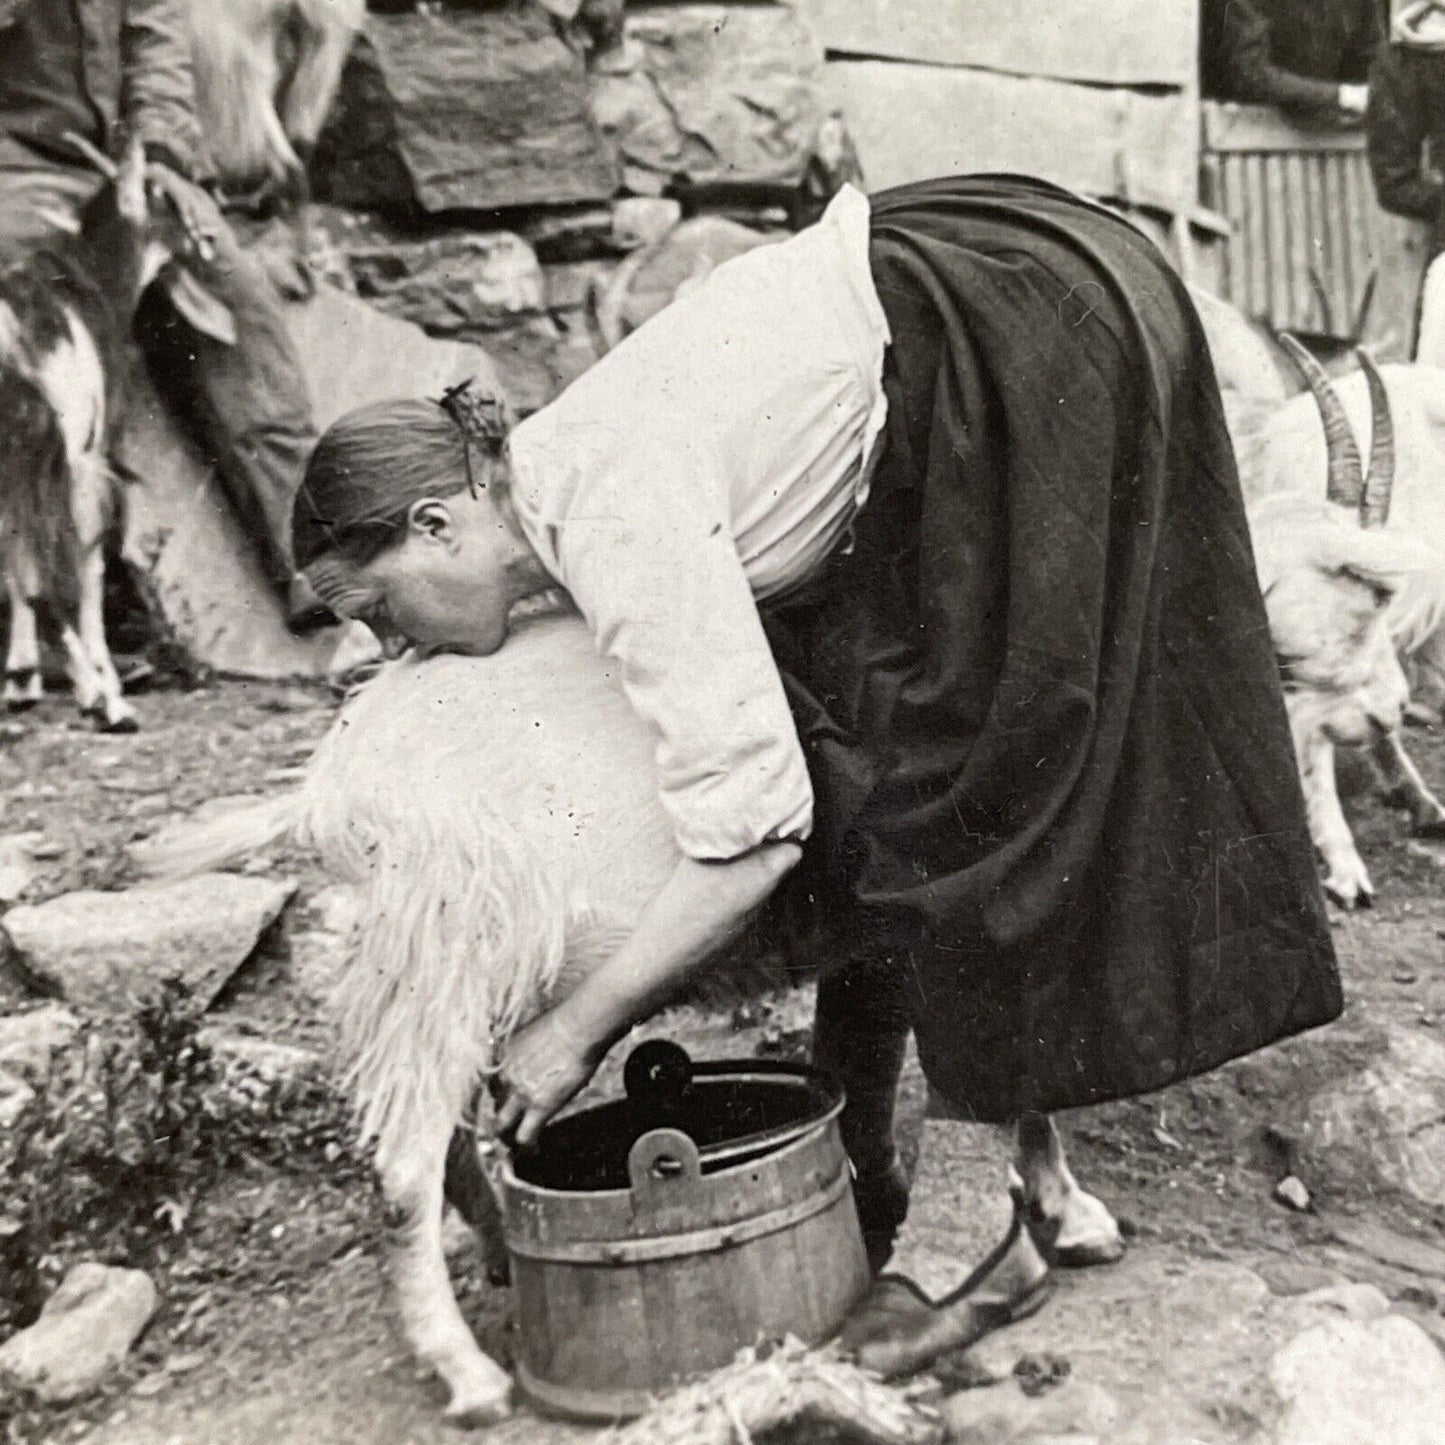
488, 166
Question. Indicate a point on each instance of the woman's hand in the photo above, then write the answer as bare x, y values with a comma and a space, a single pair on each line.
543, 1066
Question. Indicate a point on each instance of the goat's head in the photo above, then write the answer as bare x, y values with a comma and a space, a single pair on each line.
138, 229
1328, 586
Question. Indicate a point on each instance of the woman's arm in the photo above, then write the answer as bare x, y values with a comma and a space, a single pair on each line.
699, 909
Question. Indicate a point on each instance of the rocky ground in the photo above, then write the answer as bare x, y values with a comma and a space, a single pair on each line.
1236, 1316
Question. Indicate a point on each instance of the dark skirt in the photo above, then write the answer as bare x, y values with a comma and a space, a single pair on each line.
1055, 785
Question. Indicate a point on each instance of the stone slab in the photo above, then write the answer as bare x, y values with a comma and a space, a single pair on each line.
105, 951
85, 1330
463, 110
1385, 1125
1346, 1382
712, 95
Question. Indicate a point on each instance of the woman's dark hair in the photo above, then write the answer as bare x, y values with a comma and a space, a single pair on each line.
373, 463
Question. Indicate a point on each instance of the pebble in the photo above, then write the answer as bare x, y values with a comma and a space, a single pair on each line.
85, 1330
1291, 1191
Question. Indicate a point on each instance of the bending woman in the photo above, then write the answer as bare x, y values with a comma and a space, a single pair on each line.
917, 537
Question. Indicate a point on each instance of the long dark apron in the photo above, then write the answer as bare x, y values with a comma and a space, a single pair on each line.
1053, 774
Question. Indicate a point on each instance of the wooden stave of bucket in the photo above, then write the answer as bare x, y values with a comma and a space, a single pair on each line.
625, 1294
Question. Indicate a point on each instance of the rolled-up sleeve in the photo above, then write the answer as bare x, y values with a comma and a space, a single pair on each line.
653, 568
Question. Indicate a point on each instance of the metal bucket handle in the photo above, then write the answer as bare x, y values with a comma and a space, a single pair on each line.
663, 1164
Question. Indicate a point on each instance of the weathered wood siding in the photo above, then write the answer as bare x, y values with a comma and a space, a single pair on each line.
911, 122
1306, 233
1124, 42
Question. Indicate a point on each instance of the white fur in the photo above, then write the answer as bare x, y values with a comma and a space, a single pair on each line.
1346, 604
258, 98
501, 818
71, 376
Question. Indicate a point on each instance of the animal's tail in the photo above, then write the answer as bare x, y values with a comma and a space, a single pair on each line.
210, 843
36, 521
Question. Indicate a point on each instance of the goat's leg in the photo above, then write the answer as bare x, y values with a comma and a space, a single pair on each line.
470, 1193
112, 712
860, 1036
1407, 788
1346, 880
412, 1185
24, 686
1074, 1227
313, 85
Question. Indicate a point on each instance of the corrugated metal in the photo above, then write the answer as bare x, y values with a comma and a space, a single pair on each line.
1306, 233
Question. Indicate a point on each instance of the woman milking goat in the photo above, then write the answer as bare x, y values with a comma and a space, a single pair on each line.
917, 540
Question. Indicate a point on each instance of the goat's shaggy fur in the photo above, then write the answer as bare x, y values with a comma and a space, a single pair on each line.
503, 816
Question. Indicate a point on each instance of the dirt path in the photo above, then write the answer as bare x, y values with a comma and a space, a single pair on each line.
275, 1326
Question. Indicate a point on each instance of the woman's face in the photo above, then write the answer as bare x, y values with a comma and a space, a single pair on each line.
444, 587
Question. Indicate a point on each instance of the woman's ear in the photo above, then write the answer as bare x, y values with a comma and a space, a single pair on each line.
432, 519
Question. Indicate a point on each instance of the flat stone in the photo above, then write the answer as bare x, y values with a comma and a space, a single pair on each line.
461, 281
462, 109
85, 1330
1347, 1382
1291, 1277
18, 868
712, 95
1386, 1124
15, 1098
1391, 1247
274, 1065
107, 950
29, 1039
1003, 1413
1354, 1301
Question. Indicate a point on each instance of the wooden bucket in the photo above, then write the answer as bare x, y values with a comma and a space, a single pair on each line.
623, 1294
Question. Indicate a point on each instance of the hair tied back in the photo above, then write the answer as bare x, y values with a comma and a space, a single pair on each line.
483, 417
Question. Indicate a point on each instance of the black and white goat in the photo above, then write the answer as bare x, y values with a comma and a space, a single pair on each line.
65, 312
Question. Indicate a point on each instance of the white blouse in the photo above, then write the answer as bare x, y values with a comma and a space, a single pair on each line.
715, 456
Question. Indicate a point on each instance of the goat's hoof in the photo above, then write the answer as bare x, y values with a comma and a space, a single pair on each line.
1349, 896
476, 1409
112, 717
24, 688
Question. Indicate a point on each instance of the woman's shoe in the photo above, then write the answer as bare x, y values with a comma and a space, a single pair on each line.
897, 1330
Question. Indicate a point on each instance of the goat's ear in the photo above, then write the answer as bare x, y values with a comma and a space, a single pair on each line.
198, 306
130, 183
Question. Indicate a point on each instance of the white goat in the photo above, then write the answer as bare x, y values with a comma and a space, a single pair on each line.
1353, 576
267, 72
65, 313
500, 817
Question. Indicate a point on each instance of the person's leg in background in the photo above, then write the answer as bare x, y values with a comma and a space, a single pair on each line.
38, 203
246, 404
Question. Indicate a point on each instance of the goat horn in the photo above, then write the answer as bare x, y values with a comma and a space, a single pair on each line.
1380, 479
1345, 482
93, 154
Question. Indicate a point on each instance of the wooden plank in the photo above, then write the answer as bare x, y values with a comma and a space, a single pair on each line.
912, 122
1231, 127
1128, 42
